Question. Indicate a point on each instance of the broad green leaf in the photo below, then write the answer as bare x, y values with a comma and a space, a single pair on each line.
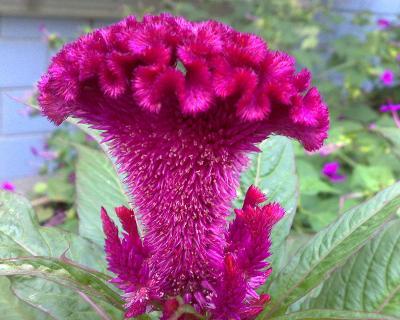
319, 314
59, 301
369, 281
12, 308
97, 185
330, 248
273, 171
21, 236
64, 273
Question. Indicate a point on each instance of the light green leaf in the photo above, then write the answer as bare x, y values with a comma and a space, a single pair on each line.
369, 281
59, 301
21, 236
330, 248
311, 182
97, 185
273, 171
11, 308
372, 178
320, 314
64, 273
393, 136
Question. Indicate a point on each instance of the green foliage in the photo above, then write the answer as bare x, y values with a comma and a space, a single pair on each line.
329, 248
52, 263
369, 281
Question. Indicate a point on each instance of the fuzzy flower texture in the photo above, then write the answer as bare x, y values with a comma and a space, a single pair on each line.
181, 104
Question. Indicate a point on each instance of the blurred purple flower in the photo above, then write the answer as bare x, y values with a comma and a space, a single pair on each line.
389, 107
383, 23
330, 170
8, 186
372, 126
45, 154
387, 77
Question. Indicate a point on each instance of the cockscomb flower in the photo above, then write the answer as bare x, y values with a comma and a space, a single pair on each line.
181, 104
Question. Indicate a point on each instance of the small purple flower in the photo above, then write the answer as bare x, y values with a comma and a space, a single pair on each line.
387, 77
330, 170
389, 107
8, 186
383, 23
44, 154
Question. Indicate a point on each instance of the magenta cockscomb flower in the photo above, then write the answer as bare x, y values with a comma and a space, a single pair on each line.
181, 104
387, 77
331, 171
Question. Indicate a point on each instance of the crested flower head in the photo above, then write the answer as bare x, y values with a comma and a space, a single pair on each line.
181, 104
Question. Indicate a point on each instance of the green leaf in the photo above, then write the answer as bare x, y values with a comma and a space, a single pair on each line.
273, 171
311, 182
58, 301
372, 178
369, 281
21, 236
330, 248
12, 308
67, 274
332, 314
97, 185
393, 136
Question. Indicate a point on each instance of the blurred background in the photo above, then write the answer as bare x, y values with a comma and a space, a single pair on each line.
351, 46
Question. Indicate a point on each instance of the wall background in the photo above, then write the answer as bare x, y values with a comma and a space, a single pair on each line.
24, 56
